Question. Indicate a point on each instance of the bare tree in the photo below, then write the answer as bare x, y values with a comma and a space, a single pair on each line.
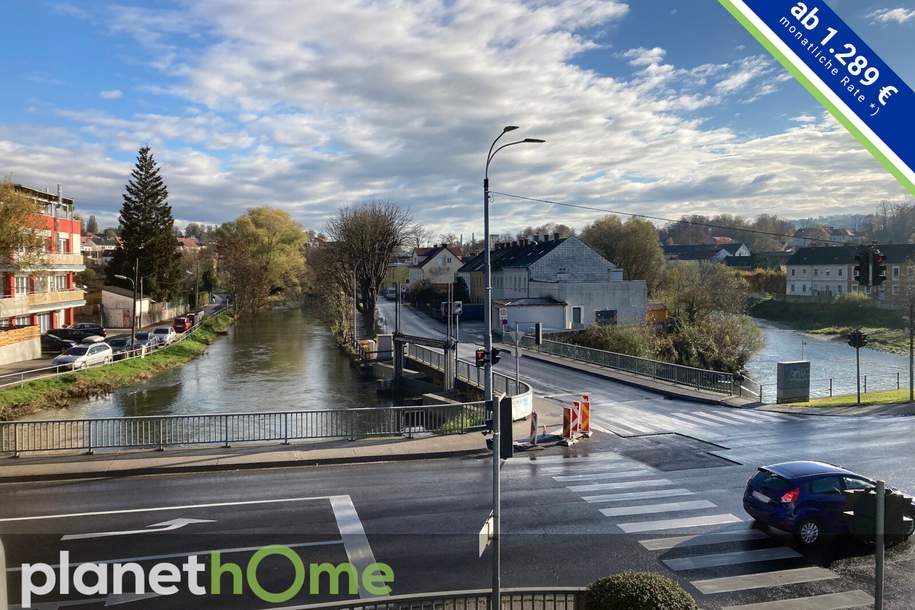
366, 238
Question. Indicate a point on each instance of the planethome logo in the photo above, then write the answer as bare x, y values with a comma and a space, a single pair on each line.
101, 579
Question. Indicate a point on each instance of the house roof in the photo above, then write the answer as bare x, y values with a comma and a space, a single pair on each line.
188, 242
513, 256
700, 252
433, 252
845, 255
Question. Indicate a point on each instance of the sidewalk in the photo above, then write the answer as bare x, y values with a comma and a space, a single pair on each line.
65, 466
661, 387
899, 410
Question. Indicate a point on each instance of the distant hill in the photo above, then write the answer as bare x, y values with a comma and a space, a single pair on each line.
841, 221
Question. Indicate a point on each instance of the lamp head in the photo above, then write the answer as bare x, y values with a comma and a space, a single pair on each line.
534, 140
508, 128
121, 277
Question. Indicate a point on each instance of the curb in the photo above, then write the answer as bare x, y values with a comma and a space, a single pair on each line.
167, 470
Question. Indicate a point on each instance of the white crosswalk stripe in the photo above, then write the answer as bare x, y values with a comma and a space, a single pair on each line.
671, 542
676, 524
601, 466
714, 560
594, 457
601, 476
654, 509
620, 485
830, 601
638, 495
778, 578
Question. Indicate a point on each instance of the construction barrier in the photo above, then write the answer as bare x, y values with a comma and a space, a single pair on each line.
584, 416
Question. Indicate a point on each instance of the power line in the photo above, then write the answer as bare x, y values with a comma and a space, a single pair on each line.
581, 206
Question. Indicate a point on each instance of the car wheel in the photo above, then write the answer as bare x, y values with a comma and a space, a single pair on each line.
808, 532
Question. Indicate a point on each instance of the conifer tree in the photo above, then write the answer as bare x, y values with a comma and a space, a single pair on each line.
147, 233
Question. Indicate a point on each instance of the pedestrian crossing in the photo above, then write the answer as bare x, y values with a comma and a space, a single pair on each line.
694, 537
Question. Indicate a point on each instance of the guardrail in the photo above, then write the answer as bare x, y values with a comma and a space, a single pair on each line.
846, 386
224, 429
700, 379
526, 598
10, 380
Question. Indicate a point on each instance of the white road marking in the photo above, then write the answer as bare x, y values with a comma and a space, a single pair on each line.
671, 542
674, 524
602, 466
600, 476
159, 509
638, 495
831, 601
745, 582
720, 418
620, 485
727, 559
594, 457
739, 417
155, 528
699, 420
355, 541
600, 428
651, 509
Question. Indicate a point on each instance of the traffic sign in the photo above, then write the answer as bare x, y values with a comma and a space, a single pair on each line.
486, 534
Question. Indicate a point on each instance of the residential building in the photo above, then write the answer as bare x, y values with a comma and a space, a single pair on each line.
706, 253
98, 249
45, 293
811, 237
561, 283
437, 265
188, 244
824, 273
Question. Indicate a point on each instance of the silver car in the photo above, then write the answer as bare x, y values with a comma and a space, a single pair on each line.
84, 356
164, 335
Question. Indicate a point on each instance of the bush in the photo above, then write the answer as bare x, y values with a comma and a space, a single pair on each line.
641, 341
638, 591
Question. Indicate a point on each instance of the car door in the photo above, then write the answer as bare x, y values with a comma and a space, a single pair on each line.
94, 357
824, 497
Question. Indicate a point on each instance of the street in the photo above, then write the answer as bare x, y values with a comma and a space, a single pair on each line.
657, 488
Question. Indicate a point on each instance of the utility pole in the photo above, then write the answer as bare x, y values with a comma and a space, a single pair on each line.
355, 335
136, 280
911, 348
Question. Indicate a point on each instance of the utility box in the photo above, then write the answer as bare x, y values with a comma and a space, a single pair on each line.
385, 347
793, 382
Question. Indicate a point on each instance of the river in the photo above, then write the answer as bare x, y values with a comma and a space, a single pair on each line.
829, 359
280, 360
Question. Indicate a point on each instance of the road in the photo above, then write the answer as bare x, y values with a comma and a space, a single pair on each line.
657, 488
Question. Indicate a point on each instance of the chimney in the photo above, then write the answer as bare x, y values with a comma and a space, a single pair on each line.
555, 236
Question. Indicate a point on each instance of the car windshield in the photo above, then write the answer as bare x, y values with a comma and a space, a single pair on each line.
117, 342
77, 351
161, 331
142, 336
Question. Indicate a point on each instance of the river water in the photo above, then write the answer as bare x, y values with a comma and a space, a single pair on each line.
829, 358
281, 360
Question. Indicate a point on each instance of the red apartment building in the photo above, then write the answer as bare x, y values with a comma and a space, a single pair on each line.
46, 296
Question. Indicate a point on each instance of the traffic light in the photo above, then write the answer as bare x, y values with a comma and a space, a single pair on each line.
480, 357
496, 356
862, 266
878, 268
506, 443
857, 339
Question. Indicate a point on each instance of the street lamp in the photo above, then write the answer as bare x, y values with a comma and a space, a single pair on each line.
487, 345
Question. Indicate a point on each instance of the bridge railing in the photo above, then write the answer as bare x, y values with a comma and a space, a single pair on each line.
230, 428
528, 598
700, 379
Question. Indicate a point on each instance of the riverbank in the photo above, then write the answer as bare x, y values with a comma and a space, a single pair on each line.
60, 392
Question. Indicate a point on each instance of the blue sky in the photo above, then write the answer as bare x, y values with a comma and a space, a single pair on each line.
647, 106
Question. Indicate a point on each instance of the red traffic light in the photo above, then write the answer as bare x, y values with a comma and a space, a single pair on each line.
480, 357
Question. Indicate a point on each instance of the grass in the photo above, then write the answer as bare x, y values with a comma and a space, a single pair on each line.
59, 392
887, 397
887, 339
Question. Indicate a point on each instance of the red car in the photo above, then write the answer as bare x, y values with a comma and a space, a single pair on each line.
181, 325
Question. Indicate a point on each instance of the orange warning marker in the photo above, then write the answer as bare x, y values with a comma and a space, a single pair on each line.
584, 417
569, 425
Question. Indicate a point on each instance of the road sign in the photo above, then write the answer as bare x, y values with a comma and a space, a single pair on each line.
457, 307
486, 534
503, 313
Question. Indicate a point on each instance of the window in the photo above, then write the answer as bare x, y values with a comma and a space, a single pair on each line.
24, 321
839, 289
576, 315
895, 272
792, 287
840, 272
770, 483
22, 284
826, 485
793, 272
827, 273
816, 272
60, 282
44, 322
63, 245
447, 259
853, 483
803, 287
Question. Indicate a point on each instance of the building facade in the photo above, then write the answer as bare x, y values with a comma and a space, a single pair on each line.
438, 266
45, 294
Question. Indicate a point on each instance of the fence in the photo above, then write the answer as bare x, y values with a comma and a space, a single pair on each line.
466, 371
700, 379
832, 386
228, 428
532, 598
10, 380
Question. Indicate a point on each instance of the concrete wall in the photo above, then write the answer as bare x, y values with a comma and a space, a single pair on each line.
19, 344
552, 317
572, 260
629, 299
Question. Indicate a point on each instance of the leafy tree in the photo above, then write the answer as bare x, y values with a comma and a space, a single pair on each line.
110, 233
261, 258
548, 229
688, 231
21, 243
632, 245
693, 291
147, 232
92, 225
366, 239
194, 230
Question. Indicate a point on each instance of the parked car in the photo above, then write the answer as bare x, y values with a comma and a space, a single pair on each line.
72, 334
52, 344
809, 499
146, 339
182, 325
84, 356
164, 335
120, 346
95, 329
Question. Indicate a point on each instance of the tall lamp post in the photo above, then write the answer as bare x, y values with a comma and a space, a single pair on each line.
487, 395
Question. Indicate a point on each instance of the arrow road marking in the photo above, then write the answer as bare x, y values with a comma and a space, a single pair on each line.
165, 526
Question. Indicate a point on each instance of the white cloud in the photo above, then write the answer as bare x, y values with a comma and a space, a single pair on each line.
293, 109
111, 94
892, 15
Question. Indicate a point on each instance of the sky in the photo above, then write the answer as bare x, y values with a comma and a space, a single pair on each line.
657, 107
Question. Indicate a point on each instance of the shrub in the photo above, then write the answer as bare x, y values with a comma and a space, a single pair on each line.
641, 341
638, 591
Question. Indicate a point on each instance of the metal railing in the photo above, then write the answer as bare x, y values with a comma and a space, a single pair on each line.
699, 379
527, 598
10, 380
846, 386
228, 428
466, 371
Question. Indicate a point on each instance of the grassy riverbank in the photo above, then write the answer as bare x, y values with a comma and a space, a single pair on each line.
888, 397
58, 392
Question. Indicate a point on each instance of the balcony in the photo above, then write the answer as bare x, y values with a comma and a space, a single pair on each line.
43, 299
10, 307
64, 261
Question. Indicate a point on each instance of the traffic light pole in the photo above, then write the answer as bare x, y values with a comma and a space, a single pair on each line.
858, 371
911, 350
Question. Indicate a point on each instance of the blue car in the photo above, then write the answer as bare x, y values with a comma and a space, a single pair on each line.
805, 498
